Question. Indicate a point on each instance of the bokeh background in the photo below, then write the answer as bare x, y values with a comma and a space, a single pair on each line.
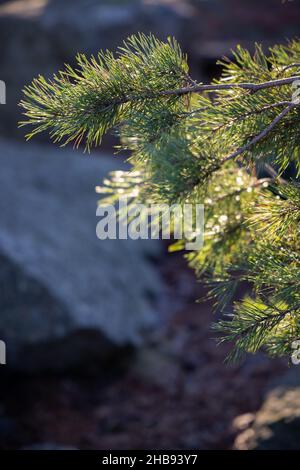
106, 347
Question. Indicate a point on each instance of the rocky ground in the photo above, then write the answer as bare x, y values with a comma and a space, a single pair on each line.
176, 392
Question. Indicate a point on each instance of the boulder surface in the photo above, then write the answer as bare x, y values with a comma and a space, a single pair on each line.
65, 295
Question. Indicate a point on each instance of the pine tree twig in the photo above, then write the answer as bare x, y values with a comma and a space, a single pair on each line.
273, 173
259, 136
227, 86
255, 112
277, 318
288, 67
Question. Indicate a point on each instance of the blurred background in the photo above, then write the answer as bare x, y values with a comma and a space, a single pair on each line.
106, 347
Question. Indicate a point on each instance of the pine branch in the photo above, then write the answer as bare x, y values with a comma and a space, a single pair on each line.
202, 144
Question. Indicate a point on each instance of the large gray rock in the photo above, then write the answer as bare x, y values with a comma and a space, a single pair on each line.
65, 296
276, 426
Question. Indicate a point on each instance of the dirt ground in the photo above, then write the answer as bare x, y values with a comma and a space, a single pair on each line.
175, 393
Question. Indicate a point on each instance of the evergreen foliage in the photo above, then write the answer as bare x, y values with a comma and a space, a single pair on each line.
231, 145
